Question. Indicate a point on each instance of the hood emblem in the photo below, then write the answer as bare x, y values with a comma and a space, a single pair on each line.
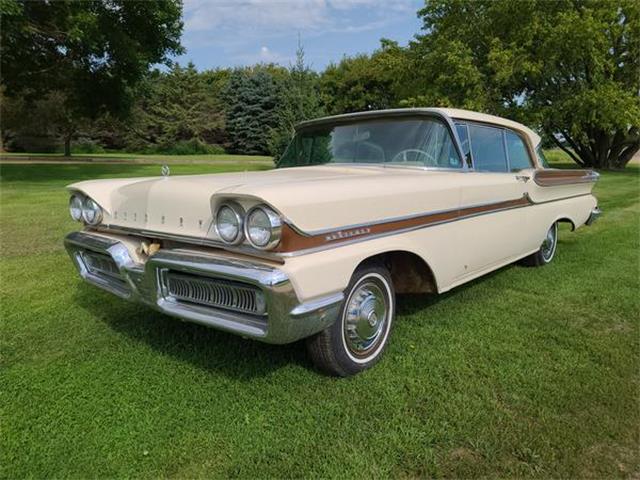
165, 170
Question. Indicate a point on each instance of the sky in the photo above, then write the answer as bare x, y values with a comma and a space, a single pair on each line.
228, 33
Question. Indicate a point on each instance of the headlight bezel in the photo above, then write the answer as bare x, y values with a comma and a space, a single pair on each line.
87, 207
275, 225
239, 214
80, 198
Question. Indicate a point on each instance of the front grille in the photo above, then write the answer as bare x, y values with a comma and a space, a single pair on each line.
100, 265
213, 292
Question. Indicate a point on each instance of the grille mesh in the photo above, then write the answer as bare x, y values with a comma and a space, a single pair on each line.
215, 293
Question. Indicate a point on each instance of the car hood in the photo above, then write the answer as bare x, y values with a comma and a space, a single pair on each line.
311, 198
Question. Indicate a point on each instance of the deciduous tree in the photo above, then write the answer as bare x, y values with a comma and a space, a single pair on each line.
572, 67
92, 52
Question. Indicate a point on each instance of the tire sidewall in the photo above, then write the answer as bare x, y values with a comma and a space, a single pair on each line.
543, 259
349, 363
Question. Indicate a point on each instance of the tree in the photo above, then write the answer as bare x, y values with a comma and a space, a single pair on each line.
252, 96
39, 125
355, 85
570, 66
178, 106
300, 100
93, 53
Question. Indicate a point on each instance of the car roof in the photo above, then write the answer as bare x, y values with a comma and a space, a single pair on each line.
451, 113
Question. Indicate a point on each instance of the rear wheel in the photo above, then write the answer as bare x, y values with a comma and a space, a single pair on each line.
358, 338
547, 249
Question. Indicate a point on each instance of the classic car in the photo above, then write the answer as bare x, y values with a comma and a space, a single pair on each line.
360, 207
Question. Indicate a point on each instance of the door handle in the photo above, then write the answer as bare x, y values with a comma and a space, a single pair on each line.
523, 178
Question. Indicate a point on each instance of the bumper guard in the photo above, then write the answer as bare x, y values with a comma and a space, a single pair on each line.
593, 216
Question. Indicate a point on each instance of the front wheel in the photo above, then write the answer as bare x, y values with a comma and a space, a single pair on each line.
547, 249
359, 336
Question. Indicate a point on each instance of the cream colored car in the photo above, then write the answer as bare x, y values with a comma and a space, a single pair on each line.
361, 207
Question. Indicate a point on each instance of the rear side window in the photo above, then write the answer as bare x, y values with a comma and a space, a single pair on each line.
488, 149
517, 151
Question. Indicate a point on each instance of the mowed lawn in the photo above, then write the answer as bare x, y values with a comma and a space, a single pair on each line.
523, 373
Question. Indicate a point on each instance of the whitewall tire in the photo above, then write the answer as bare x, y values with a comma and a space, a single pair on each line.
358, 338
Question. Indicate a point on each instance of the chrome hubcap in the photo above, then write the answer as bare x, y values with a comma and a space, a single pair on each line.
366, 318
548, 247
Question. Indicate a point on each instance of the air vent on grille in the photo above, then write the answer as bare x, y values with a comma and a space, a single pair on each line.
214, 292
98, 264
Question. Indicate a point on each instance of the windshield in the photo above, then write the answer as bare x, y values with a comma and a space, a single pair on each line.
422, 142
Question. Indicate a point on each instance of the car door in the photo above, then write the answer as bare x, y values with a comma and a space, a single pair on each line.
492, 196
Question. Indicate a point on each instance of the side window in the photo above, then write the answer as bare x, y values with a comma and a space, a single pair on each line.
487, 148
463, 135
438, 148
541, 158
517, 150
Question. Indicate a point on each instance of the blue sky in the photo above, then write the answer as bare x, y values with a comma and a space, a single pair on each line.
227, 33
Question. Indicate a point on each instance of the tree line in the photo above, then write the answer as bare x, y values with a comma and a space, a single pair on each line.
82, 75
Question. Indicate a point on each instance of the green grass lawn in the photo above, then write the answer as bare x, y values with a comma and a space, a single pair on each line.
523, 373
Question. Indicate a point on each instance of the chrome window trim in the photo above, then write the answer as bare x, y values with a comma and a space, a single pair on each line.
532, 163
384, 114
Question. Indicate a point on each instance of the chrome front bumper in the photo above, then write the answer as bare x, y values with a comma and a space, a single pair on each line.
285, 318
593, 216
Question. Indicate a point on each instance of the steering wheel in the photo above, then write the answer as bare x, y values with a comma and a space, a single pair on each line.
431, 161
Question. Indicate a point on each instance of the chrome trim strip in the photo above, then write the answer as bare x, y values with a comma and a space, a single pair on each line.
280, 257
588, 177
419, 227
187, 239
312, 233
393, 232
324, 302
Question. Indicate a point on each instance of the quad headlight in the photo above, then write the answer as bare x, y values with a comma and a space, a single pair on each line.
263, 227
91, 212
75, 207
229, 221
84, 209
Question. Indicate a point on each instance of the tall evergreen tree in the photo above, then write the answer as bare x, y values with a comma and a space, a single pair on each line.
300, 101
252, 96
178, 106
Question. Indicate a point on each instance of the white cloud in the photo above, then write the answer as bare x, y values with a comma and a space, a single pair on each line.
208, 14
238, 27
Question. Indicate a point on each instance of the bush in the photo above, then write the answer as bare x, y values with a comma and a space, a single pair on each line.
85, 146
185, 147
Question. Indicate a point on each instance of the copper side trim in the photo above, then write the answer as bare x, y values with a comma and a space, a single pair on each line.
552, 178
293, 241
